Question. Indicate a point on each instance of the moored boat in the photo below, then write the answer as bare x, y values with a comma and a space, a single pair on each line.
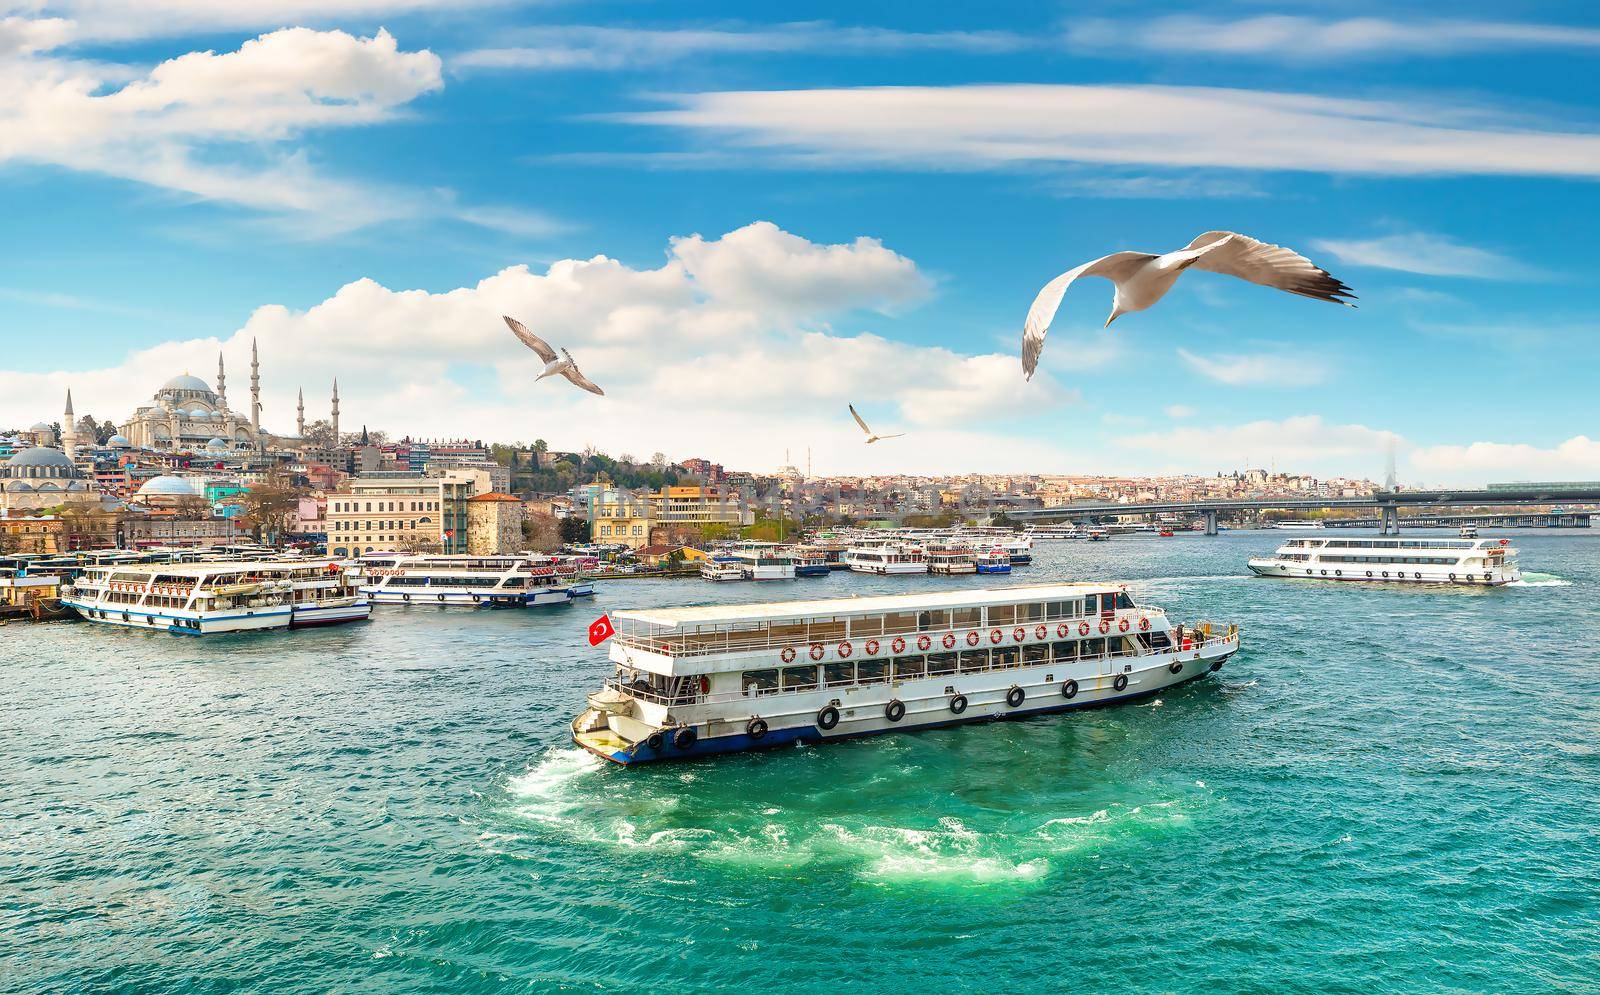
994, 561
208, 598
718, 571
698, 681
887, 558
952, 559
1392, 559
471, 581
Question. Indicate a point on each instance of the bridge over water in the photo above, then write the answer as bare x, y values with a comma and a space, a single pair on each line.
1387, 504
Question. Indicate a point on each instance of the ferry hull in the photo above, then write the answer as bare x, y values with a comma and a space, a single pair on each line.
1492, 578
983, 706
312, 618
183, 625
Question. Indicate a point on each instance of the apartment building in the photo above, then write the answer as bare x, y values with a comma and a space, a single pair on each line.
401, 510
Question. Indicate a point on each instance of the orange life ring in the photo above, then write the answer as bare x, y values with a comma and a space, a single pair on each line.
924, 642
949, 640
871, 647
1019, 634
1083, 628
1122, 626
787, 654
995, 635
899, 645
816, 651
1040, 631
844, 650
1144, 625
1105, 626
1063, 630
973, 638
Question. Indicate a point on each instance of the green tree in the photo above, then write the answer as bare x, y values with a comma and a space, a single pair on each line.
574, 530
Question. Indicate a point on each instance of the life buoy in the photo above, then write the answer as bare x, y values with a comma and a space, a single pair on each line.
871, 647
684, 738
844, 650
899, 644
1105, 626
1123, 625
895, 710
1069, 689
817, 651
827, 718
1019, 634
756, 728
1063, 630
1041, 631
949, 640
787, 656
1083, 628
705, 684
995, 635
1144, 625
958, 704
1175, 666
923, 642
1121, 683
973, 638
1015, 696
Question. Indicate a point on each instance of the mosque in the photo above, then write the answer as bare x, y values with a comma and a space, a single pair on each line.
186, 415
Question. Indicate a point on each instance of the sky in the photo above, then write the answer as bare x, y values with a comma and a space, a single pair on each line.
739, 226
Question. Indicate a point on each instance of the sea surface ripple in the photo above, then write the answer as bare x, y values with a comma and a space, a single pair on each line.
1388, 789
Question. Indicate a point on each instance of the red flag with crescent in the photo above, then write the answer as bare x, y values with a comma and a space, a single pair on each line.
600, 630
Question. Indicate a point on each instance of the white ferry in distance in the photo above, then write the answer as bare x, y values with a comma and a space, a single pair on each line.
467, 581
764, 563
1391, 559
696, 681
887, 558
206, 598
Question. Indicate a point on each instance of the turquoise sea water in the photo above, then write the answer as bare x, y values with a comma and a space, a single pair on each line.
1388, 789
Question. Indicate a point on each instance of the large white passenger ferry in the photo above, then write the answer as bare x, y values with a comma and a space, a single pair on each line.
764, 562
206, 598
697, 681
469, 581
1393, 559
887, 558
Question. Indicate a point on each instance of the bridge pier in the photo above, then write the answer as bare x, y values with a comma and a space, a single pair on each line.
1211, 523
1388, 520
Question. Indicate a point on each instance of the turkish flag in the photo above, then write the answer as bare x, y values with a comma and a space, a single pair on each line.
600, 630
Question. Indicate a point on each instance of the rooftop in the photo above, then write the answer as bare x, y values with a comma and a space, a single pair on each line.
780, 610
497, 496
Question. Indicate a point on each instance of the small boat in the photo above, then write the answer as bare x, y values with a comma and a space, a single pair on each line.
1166, 533
1098, 535
1468, 532
719, 572
995, 561
810, 561
951, 559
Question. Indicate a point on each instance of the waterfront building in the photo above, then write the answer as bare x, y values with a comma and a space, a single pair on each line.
494, 524
640, 518
400, 510
171, 527
31, 534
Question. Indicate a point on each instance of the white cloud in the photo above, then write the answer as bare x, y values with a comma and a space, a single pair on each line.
127, 20
721, 350
1301, 441
1172, 127
1578, 458
1264, 369
1178, 412
24, 35
1293, 38
568, 47
1430, 255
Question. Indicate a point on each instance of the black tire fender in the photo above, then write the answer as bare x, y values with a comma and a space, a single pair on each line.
1016, 696
895, 710
1121, 683
1069, 689
684, 737
756, 728
958, 704
827, 718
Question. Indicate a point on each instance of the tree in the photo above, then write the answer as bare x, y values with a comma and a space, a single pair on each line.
542, 531
574, 530
540, 446
269, 505
319, 434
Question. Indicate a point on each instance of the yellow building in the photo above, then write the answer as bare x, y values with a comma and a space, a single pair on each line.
636, 518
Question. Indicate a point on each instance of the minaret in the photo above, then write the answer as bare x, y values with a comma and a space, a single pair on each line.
255, 395
69, 429
222, 383
300, 415
335, 414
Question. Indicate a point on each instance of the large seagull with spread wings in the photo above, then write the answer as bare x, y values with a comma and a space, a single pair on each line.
1142, 279
562, 366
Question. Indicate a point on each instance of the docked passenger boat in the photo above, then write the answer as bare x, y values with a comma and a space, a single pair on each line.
764, 562
1019, 548
1391, 559
952, 559
207, 598
696, 681
1468, 531
810, 561
887, 558
720, 571
470, 581
995, 561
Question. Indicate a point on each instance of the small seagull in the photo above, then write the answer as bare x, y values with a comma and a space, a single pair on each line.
553, 367
871, 437
1143, 278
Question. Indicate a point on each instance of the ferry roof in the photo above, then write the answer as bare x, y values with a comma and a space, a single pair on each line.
214, 566
782, 610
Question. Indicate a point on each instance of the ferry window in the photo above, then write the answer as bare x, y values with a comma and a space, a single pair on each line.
974, 660
907, 667
788, 633
1059, 609
1123, 601
799, 678
933, 620
941, 663
1007, 656
1066, 651
827, 630
1036, 653
900, 622
1002, 614
872, 671
966, 618
836, 674
1094, 647
1030, 613
760, 681
868, 625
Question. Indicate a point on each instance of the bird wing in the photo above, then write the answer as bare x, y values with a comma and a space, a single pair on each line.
1116, 267
1270, 266
531, 340
857, 417
897, 435
572, 374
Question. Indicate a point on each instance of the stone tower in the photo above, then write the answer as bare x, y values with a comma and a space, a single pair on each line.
222, 383
255, 395
300, 415
69, 429
335, 414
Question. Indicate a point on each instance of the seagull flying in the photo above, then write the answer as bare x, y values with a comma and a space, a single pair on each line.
871, 437
553, 366
1142, 279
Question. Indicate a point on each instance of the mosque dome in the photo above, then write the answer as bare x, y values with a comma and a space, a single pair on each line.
186, 382
40, 427
217, 444
19, 486
199, 413
167, 486
118, 442
39, 457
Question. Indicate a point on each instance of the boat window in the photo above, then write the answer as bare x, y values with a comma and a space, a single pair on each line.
1059, 609
939, 619
1094, 647
827, 630
1123, 601
872, 671
837, 674
941, 663
1036, 653
900, 622
966, 618
974, 660
788, 632
1066, 651
1007, 656
866, 625
799, 678
1002, 614
908, 667
1159, 641
760, 681
1030, 613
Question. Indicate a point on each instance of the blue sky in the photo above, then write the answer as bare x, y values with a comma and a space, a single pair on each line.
355, 184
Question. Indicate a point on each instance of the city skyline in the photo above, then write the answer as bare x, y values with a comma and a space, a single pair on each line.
715, 215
